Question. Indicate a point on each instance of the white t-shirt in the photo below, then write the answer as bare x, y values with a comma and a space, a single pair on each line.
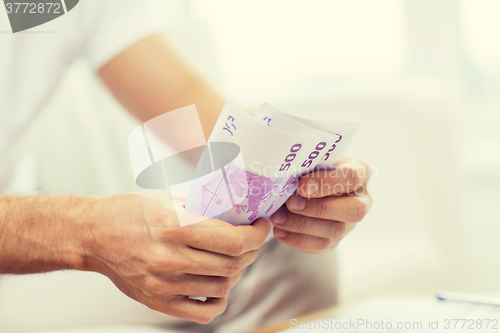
32, 62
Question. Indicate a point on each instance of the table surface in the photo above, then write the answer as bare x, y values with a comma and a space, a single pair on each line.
331, 312
335, 311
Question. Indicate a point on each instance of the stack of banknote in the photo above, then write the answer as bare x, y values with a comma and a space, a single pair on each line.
251, 165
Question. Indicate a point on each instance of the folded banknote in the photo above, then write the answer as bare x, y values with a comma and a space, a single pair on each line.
251, 165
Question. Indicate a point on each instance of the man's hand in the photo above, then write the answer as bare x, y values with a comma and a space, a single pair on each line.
328, 205
149, 257
136, 241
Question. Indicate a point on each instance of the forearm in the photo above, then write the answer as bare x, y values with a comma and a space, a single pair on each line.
150, 79
44, 233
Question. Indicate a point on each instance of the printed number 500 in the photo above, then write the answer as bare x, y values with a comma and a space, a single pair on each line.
290, 157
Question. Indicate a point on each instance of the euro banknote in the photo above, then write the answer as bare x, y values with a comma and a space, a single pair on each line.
251, 164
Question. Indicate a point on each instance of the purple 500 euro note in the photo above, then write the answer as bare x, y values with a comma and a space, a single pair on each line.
274, 150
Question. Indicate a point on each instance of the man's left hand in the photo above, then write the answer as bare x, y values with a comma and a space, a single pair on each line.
327, 206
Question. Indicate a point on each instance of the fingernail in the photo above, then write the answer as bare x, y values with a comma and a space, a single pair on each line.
279, 217
280, 233
312, 186
297, 203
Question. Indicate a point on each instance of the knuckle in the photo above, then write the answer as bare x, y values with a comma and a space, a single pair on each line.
236, 246
354, 177
322, 208
153, 285
323, 243
204, 318
222, 307
157, 263
211, 312
250, 258
339, 230
168, 232
222, 288
234, 267
301, 224
302, 241
162, 259
361, 190
330, 228
358, 211
254, 255
157, 259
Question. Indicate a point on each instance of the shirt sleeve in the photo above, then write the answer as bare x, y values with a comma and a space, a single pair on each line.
112, 26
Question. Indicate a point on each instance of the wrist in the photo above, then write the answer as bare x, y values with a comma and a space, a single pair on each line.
85, 219
45, 233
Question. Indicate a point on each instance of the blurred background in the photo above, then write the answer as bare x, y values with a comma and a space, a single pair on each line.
423, 76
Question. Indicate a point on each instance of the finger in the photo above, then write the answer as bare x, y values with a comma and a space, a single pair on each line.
361, 168
205, 286
307, 243
286, 220
342, 209
221, 237
214, 264
201, 312
350, 175
179, 197
189, 285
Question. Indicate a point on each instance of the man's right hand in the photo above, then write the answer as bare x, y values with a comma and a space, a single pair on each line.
137, 242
